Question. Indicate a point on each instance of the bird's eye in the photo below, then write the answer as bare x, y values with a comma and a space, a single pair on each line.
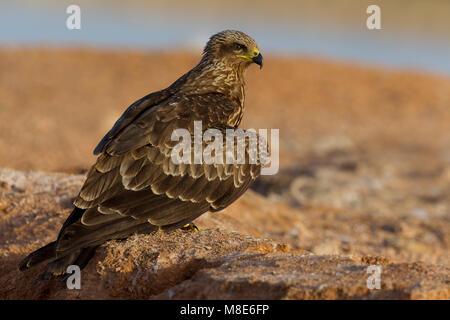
240, 46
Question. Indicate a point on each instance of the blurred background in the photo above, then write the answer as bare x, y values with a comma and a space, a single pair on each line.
364, 115
414, 33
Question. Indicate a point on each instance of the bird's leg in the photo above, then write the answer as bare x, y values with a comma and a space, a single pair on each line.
190, 227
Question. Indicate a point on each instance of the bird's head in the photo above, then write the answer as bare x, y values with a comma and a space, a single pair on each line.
234, 49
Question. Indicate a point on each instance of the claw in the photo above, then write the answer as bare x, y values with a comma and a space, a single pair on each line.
191, 227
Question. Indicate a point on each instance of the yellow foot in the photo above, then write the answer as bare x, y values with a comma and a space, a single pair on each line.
191, 227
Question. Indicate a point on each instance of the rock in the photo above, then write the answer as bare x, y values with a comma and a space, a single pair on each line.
293, 276
249, 251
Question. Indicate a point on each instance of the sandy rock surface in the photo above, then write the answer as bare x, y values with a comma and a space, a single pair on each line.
254, 249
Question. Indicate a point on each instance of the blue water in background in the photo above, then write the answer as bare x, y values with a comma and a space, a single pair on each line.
135, 25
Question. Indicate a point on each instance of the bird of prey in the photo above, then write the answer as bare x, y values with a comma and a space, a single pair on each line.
134, 186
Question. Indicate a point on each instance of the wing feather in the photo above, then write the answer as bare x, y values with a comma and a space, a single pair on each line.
135, 186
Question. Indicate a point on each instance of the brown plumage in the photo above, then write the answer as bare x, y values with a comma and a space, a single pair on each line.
134, 187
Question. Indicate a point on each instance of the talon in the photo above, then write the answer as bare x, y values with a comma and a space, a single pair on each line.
190, 227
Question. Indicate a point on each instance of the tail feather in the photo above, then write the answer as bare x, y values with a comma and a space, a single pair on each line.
76, 243
56, 266
44, 255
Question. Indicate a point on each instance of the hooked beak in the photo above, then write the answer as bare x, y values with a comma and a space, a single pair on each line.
258, 60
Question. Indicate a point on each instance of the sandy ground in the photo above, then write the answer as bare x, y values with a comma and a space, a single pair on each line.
364, 152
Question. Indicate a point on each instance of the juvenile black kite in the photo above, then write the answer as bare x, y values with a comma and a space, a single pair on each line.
134, 187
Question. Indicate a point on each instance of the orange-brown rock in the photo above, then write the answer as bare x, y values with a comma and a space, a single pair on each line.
249, 251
